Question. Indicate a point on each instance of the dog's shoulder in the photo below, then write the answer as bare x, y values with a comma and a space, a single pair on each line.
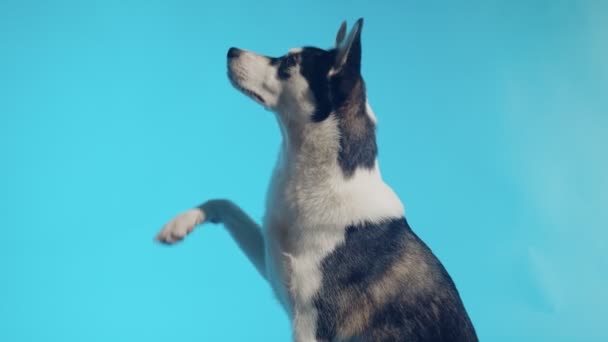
384, 284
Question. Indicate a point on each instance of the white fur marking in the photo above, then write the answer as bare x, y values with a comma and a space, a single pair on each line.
370, 113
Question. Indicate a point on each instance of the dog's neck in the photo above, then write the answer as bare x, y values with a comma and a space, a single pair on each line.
312, 179
345, 138
314, 143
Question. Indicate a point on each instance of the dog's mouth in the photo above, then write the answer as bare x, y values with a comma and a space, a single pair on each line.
257, 97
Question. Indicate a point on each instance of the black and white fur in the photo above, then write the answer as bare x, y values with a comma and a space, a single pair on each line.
335, 245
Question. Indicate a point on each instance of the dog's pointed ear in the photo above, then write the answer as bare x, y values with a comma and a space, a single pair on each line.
341, 34
348, 56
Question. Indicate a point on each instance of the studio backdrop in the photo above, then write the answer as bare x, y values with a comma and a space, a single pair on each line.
117, 115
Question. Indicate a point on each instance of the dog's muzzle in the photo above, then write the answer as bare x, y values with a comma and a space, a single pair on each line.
235, 78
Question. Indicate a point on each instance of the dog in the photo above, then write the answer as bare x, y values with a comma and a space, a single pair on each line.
335, 245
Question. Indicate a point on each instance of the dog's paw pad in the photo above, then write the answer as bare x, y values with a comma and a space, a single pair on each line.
180, 226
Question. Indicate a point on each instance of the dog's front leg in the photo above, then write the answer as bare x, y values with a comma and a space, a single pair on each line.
246, 233
304, 324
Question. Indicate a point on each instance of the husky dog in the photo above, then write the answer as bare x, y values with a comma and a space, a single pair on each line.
335, 245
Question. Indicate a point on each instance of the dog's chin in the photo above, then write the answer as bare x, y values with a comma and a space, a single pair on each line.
252, 94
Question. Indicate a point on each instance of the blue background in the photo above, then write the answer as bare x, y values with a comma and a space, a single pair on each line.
117, 115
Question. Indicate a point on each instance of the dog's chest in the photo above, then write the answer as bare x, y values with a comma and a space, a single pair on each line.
296, 275
300, 232
307, 213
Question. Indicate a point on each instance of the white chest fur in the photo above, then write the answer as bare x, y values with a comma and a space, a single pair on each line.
309, 205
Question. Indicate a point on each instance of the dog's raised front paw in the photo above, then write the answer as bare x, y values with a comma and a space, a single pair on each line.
180, 226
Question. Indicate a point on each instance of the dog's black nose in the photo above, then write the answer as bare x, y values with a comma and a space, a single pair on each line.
233, 52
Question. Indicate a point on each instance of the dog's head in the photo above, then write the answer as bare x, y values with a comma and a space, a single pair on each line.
305, 84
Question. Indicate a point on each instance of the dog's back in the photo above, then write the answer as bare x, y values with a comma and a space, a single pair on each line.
384, 284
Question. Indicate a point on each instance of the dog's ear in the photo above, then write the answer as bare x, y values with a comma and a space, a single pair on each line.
348, 56
341, 34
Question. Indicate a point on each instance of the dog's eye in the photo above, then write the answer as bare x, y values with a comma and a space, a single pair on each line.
290, 61
286, 63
